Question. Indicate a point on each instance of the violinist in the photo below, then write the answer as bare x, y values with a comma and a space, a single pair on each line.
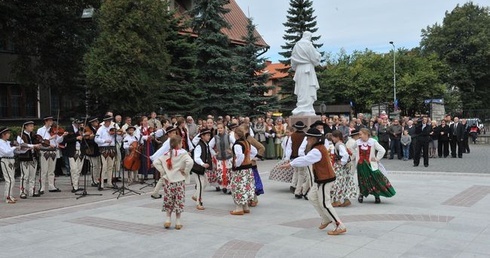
73, 151
90, 149
28, 161
106, 139
129, 139
7, 162
48, 154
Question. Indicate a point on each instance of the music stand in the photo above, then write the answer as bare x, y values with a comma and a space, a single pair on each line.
89, 168
121, 190
152, 184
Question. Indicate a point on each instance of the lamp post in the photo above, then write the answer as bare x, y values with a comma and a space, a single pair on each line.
394, 76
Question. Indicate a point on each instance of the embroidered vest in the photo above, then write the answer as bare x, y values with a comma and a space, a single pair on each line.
323, 170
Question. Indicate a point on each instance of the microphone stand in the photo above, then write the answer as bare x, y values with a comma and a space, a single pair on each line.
121, 190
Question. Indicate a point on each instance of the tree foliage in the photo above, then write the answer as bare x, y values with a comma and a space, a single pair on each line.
223, 89
254, 77
50, 39
463, 42
300, 18
129, 61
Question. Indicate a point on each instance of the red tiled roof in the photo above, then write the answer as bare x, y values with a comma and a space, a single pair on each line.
275, 69
238, 22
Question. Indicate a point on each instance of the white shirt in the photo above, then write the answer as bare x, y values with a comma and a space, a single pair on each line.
160, 152
6, 150
53, 140
128, 140
344, 154
197, 154
313, 156
20, 141
103, 138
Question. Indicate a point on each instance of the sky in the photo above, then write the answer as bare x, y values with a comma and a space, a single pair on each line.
354, 24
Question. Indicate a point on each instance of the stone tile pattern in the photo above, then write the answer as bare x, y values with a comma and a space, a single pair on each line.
123, 226
469, 197
191, 208
238, 249
308, 223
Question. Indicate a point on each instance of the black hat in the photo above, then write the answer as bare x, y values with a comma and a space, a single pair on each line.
4, 130
313, 132
93, 119
131, 127
318, 122
28, 123
48, 118
170, 129
232, 126
299, 125
205, 131
107, 118
354, 132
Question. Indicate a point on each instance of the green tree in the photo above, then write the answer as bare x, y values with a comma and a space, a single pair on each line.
50, 40
254, 77
300, 18
221, 83
129, 61
179, 92
463, 42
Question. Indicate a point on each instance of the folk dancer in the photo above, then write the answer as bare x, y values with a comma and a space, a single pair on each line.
7, 163
371, 180
260, 149
202, 162
298, 184
48, 154
242, 181
106, 140
324, 175
170, 131
344, 187
90, 149
221, 144
28, 161
174, 167
73, 152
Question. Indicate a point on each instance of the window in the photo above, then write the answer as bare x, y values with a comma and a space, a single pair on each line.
17, 101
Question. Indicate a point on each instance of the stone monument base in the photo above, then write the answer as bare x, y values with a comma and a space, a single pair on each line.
307, 120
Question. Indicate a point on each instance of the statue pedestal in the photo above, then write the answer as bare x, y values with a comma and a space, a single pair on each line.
307, 120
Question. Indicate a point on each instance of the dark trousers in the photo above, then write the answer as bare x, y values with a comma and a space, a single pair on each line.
386, 146
422, 145
443, 148
466, 145
395, 147
456, 143
413, 145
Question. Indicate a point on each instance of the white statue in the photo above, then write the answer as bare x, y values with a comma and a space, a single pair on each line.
304, 58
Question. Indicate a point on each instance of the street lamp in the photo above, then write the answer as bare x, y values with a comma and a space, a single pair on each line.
394, 76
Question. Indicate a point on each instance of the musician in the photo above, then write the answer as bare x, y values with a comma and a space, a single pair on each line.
90, 149
48, 154
28, 161
128, 140
106, 140
147, 150
153, 122
7, 162
73, 152
170, 132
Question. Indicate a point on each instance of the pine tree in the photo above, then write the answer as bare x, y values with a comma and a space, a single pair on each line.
223, 92
129, 61
300, 18
255, 78
179, 92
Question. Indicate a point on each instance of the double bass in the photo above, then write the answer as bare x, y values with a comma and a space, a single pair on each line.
132, 161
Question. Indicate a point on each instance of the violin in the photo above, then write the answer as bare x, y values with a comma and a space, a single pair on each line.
113, 131
44, 142
56, 131
87, 133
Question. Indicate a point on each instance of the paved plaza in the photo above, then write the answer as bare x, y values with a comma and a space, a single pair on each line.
439, 211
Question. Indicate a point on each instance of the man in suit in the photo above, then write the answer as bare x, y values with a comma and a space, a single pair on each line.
72, 151
456, 137
423, 138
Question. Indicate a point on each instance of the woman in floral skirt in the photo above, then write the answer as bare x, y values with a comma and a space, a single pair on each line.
242, 180
344, 187
371, 180
174, 167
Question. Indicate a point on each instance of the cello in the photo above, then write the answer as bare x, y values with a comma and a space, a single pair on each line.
132, 161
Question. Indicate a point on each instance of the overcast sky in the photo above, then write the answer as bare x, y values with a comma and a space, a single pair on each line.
354, 24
